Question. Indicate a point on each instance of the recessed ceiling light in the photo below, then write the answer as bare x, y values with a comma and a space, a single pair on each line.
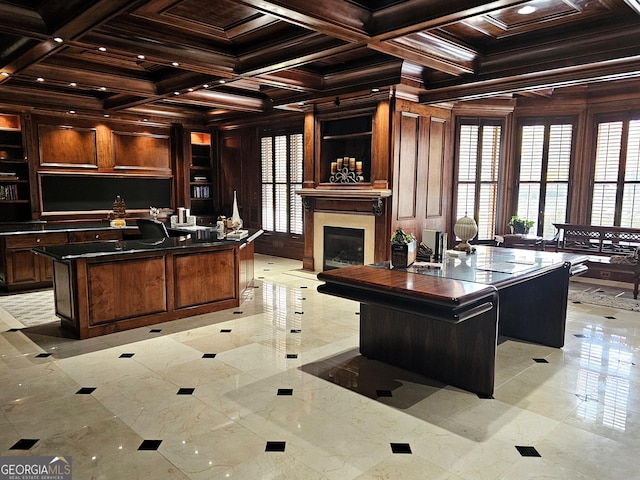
73, 84
191, 89
374, 90
301, 104
39, 79
205, 86
103, 88
5, 74
222, 81
527, 9
106, 115
141, 57
102, 49
144, 119
57, 39
72, 111
175, 64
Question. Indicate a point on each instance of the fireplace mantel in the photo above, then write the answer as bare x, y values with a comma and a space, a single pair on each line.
345, 207
345, 193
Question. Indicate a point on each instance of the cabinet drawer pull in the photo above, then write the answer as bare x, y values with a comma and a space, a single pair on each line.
37, 240
97, 235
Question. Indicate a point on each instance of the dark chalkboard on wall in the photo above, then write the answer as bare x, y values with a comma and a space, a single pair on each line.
66, 193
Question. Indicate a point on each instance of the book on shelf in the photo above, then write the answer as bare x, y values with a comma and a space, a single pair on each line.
8, 174
201, 191
9, 192
199, 179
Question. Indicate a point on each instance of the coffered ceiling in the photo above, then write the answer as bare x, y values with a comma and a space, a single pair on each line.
222, 60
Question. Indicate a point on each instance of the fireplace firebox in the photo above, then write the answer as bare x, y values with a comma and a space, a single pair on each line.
342, 247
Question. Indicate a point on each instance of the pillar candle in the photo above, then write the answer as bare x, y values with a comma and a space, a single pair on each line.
339, 163
352, 164
333, 167
358, 168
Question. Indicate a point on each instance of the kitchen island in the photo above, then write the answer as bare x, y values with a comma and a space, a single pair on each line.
106, 287
444, 323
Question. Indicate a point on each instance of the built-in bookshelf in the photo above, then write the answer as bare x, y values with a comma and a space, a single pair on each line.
345, 150
15, 198
201, 175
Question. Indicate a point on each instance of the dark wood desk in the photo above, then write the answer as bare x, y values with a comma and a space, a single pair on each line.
445, 323
106, 287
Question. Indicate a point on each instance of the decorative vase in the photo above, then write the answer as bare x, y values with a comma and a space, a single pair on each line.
236, 221
465, 229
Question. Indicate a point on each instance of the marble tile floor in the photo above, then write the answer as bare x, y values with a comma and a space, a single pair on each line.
276, 389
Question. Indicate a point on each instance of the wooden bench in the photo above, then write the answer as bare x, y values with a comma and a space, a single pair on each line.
602, 244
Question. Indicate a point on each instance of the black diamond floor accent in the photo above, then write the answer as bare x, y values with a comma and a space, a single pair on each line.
86, 391
14, 330
610, 317
209, 355
266, 270
260, 277
186, 391
528, 451
540, 360
43, 355
384, 393
150, 445
401, 448
303, 287
580, 335
299, 313
303, 298
576, 301
24, 444
275, 447
285, 391
256, 286
225, 330
155, 330
127, 355
295, 330
357, 313
292, 355
238, 312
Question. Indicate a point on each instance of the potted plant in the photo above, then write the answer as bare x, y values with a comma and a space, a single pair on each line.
403, 249
519, 225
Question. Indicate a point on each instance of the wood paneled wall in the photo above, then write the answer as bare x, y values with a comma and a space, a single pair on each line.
96, 147
422, 189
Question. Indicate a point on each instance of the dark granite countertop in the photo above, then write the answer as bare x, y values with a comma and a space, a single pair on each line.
195, 239
44, 227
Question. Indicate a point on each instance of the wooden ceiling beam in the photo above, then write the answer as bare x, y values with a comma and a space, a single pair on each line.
562, 77
413, 16
83, 21
335, 18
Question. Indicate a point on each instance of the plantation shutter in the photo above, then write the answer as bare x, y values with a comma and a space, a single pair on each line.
282, 176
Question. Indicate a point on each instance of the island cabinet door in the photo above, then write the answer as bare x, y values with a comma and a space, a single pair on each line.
25, 266
205, 278
125, 289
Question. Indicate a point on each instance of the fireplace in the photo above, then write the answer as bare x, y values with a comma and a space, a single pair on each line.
342, 247
365, 224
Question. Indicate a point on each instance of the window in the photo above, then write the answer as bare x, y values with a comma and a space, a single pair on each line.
544, 156
616, 178
478, 160
282, 163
